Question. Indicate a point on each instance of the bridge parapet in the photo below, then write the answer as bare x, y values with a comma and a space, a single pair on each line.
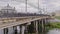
19, 18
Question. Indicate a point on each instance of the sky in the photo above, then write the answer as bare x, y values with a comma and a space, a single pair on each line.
46, 5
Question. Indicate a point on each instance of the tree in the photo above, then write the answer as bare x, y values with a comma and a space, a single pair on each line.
53, 13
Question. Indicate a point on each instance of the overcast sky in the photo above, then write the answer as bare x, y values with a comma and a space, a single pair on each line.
49, 5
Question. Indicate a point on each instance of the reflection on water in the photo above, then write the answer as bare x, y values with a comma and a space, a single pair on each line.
54, 31
10, 30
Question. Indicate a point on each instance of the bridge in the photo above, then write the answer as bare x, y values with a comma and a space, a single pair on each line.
23, 23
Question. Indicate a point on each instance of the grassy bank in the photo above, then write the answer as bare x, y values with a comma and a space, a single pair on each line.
57, 17
53, 25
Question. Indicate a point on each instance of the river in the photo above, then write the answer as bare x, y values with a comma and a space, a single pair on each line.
54, 31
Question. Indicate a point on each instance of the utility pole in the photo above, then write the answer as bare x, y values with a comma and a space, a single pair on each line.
43, 10
26, 6
38, 5
39, 10
46, 10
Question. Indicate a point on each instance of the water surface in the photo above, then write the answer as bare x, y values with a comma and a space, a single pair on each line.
54, 31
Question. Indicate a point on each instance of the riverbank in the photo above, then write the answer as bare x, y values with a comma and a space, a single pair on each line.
57, 17
50, 26
53, 25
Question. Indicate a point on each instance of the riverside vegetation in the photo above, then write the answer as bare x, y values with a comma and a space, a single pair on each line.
53, 25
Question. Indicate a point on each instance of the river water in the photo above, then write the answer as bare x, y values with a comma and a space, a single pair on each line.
10, 30
54, 31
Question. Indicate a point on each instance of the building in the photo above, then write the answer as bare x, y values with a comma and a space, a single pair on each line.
8, 10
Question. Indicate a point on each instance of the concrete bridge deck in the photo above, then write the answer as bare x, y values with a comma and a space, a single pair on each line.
9, 22
24, 23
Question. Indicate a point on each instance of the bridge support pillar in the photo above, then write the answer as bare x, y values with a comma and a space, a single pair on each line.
39, 27
45, 24
22, 29
15, 29
36, 27
18, 29
42, 26
26, 29
5, 30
